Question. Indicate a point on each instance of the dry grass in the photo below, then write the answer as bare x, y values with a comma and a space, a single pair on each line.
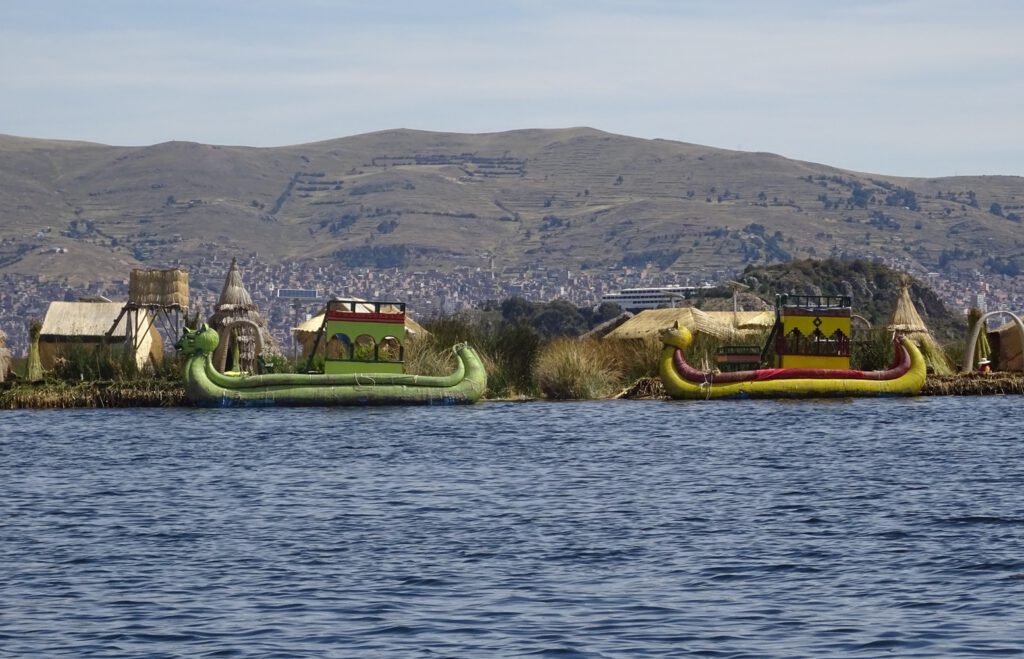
574, 369
634, 358
974, 384
643, 389
425, 356
140, 393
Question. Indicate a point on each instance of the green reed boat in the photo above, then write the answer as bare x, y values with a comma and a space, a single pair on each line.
350, 378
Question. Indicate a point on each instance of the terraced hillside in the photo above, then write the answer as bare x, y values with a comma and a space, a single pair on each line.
576, 198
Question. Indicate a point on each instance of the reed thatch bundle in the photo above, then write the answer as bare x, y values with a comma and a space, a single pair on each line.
982, 348
5, 357
163, 288
719, 324
907, 321
34, 365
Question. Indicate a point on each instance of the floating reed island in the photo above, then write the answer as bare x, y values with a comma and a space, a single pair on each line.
971, 384
172, 394
92, 394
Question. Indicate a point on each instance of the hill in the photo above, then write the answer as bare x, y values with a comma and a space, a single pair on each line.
874, 289
574, 198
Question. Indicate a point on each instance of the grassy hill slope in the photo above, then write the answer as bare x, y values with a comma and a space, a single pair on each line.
576, 198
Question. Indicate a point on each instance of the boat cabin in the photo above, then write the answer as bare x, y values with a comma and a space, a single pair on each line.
812, 331
364, 337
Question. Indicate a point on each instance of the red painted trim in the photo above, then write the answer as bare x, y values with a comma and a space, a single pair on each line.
804, 312
366, 317
901, 364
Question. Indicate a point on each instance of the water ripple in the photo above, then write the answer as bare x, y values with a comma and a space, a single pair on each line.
614, 529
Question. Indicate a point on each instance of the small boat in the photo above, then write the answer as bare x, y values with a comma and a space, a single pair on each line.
205, 386
811, 362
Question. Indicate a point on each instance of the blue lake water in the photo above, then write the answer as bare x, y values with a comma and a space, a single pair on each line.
606, 529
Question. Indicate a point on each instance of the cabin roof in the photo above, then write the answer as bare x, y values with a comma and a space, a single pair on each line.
715, 323
83, 319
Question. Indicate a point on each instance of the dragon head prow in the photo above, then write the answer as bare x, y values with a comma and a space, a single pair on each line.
677, 336
198, 341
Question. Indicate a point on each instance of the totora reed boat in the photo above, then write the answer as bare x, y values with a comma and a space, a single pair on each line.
205, 386
811, 346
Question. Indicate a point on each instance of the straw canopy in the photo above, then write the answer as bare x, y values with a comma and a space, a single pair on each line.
719, 324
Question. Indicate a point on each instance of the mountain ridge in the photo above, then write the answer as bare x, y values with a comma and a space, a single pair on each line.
576, 197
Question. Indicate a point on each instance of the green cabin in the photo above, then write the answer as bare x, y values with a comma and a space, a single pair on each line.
364, 337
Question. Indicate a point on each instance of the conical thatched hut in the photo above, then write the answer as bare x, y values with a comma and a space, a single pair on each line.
907, 321
243, 332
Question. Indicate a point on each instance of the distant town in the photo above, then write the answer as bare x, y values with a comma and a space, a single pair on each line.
288, 294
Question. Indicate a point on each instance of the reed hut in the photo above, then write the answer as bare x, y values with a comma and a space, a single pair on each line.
907, 321
1007, 347
305, 332
608, 326
5, 357
86, 325
725, 325
158, 288
244, 337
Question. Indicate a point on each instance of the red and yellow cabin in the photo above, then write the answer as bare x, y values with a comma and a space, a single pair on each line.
364, 337
813, 331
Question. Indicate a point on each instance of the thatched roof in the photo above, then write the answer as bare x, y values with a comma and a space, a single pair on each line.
83, 319
906, 320
904, 317
163, 288
605, 328
234, 295
68, 321
721, 324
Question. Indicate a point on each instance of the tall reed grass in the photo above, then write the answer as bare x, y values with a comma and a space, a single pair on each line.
507, 349
575, 369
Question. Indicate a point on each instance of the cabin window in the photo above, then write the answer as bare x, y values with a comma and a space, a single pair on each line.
339, 347
389, 350
365, 348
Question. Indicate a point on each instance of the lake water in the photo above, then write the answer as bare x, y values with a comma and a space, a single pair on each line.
601, 529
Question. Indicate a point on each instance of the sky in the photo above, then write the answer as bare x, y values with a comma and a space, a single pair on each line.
901, 87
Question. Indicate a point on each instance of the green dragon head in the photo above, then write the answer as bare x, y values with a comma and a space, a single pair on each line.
198, 342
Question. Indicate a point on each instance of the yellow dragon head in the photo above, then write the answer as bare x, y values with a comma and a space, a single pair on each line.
676, 336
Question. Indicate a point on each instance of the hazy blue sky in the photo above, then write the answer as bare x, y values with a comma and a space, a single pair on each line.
905, 87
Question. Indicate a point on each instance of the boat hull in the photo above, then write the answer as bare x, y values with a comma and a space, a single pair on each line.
207, 387
682, 381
